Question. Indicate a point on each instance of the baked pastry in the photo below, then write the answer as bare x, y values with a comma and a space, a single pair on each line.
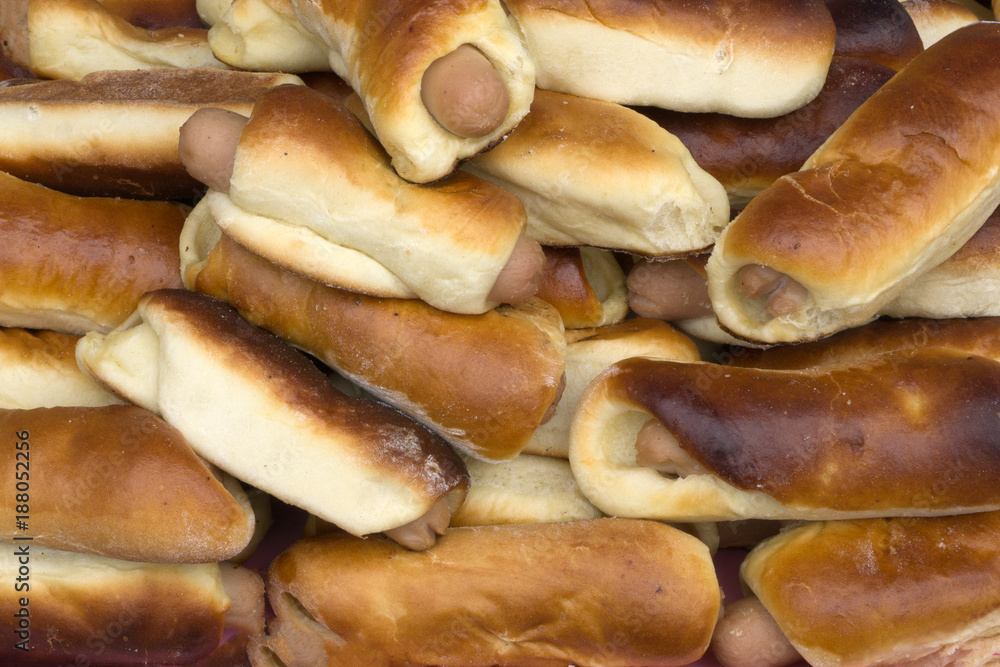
250, 404
588, 353
74, 606
156, 14
38, 369
892, 193
483, 382
525, 489
936, 18
881, 592
313, 192
748, 58
78, 264
586, 285
877, 30
440, 82
266, 35
974, 335
599, 174
68, 39
748, 154
474, 601
705, 442
115, 133
118, 481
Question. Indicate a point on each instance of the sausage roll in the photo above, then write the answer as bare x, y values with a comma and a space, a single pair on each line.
68, 39
78, 264
483, 382
118, 481
266, 35
882, 592
895, 191
586, 285
38, 369
312, 191
70, 607
877, 30
250, 404
440, 81
748, 154
748, 58
474, 601
588, 353
905, 434
156, 14
633, 185
115, 134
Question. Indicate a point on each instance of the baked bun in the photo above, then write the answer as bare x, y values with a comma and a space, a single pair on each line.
974, 336
79, 605
525, 489
936, 18
266, 35
79, 264
885, 592
38, 369
497, 595
156, 14
748, 154
740, 57
634, 186
118, 481
313, 192
68, 39
588, 353
388, 53
703, 442
877, 30
586, 285
482, 382
115, 133
891, 194
250, 404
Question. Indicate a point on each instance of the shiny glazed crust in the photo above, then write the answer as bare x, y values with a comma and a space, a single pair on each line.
894, 591
118, 481
909, 434
740, 57
307, 173
586, 285
473, 600
483, 382
893, 192
383, 49
80, 264
258, 409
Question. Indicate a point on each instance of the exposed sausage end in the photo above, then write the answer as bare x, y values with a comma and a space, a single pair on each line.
464, 93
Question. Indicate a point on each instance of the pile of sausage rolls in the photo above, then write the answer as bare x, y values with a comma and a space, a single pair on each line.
524, 315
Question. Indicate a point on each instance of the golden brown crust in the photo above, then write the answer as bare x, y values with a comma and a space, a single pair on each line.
863, 439
878, 30
125, 128
474, 600
125, 613
892, 590
747, 155
488, 400
586, 285
118, 481
78, 264
306, 164
980, 336
903, 183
